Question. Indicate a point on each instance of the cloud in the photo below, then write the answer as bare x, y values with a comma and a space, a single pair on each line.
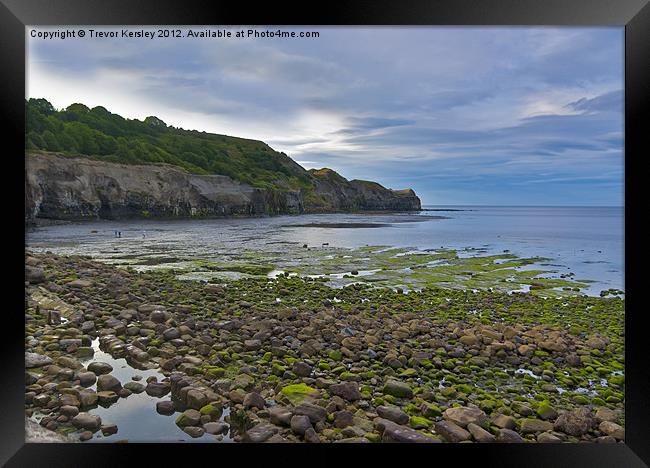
474, 113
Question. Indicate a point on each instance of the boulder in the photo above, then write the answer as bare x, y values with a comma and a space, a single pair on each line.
254, 400
452, 432
100, 368
398, 389
393, 413
87, 421
36, 360
463, 416
575, 423
299, 424
108, 382
391, 432
260, 433
347, 390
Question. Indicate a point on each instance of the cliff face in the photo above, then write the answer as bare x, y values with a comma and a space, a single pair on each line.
339, 194
81, 188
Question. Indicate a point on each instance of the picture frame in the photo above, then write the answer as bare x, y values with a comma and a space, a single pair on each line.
633, 15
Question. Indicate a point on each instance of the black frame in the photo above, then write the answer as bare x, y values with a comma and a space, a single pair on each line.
633, 14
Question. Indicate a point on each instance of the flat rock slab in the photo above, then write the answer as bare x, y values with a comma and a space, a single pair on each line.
260, 433
80, 284
392, 432
36, 360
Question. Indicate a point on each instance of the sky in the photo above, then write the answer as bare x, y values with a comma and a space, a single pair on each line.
463, 115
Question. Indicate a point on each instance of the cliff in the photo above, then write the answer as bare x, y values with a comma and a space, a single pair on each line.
84, 163
338, 194
67, 188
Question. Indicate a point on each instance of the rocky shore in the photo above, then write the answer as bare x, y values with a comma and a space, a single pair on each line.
292, 360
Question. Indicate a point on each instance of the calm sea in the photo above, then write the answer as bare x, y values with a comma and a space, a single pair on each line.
588, 241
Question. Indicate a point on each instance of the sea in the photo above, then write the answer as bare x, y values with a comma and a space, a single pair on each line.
586, 241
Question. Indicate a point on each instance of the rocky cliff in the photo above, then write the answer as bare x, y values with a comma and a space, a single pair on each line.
68, 188
339, 194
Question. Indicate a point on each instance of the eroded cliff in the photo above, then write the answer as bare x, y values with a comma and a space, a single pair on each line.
67, 188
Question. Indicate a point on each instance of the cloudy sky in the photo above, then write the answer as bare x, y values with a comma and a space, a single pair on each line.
503, 116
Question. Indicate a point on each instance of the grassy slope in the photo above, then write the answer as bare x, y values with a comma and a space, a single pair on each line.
96, 133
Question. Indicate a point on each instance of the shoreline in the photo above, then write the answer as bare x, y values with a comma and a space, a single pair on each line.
291, 359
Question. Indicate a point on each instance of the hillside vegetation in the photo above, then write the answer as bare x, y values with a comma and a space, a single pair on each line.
100, 134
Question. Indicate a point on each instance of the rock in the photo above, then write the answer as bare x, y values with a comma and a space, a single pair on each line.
393, 413
108, 382
553, 345
194, 431
311, 437
80, 284
216, 428
575, 423
107, 397
573, 360
606, 414
70, 344
69, 361
157, 316
529, 426
301, 369
254, 400
522, 408
190, 417
87, 398
34, 275
546, 411
100, 368
548, 438
171, 334
194, 398
353, 431
158, 389
508, 436
86, 379
480, 434
346, 390
69, 399
135, 387
612, 429
344, 419
314, 412
36, 360
299, 424
165, 407
69, 410
504, 422
605, 440
452, 432
469, 340
260, 433
85, 435
109, 429
398, 389
252, 345
353, 440
429, 410
464, 415
391, 432
87, 421
280, 415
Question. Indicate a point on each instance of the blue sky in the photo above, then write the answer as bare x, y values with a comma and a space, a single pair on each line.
489, 116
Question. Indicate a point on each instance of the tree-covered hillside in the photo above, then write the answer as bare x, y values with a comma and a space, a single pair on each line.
97, 133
